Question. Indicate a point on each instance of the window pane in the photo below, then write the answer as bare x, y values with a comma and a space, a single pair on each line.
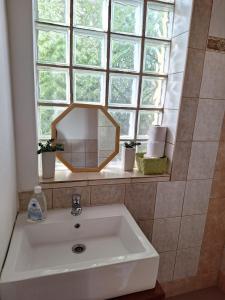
53, 11
89, 87
91, 14
47, 114
153, 92
127, 17
123, 90
53, 85
89, 49
159, 21
125, 119
125, 54
142, 147
156, 57
145, 120
52, 45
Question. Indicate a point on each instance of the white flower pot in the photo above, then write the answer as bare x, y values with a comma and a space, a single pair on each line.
128, 158
48, 164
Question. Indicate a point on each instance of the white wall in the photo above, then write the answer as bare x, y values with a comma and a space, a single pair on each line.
21, 48
7, 158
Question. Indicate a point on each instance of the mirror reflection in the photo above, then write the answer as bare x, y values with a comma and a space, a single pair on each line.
90, 137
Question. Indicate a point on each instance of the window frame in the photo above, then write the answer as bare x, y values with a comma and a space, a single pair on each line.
108, 70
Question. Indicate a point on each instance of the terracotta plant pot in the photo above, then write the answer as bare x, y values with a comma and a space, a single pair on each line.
128, 158
48, 164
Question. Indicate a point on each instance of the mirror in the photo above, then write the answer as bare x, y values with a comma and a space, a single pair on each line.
90, 137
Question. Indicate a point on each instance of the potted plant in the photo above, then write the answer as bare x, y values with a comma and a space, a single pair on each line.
128, 155
48, 157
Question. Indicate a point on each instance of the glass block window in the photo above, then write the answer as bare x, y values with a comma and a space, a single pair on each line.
109, 52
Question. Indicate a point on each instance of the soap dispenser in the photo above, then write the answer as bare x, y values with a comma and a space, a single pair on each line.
37, 207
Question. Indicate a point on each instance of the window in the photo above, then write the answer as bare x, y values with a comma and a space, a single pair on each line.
109, 52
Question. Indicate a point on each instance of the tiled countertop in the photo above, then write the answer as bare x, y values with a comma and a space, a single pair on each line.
108, 175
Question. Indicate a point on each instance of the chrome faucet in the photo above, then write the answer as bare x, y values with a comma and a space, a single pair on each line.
76, 207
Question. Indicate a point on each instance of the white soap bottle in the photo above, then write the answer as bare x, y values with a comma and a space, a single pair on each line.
37, 207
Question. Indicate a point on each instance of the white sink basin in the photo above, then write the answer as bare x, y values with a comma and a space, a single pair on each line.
118, 259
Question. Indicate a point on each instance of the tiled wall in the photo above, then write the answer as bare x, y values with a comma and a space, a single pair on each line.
179, 49
180, 217
216, 89
196, 159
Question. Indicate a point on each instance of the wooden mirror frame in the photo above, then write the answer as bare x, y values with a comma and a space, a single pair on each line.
107, 160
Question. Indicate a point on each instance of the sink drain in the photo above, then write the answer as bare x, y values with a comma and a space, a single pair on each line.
78, 248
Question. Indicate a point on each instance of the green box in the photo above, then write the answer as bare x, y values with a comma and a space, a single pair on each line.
150, 166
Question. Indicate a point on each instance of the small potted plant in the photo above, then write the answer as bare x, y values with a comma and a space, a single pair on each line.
48, 157
128, 155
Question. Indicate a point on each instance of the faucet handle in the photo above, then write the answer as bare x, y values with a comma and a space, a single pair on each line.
76, 198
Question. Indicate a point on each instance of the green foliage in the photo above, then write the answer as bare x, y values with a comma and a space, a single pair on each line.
88, 50
49, 146
87, 87
158, 23
121, 90
155, 57
123, 54
52, 46
145, 120
149, 91
123, 119
123, 18
46, 116
88, 13
51, 10
52, 85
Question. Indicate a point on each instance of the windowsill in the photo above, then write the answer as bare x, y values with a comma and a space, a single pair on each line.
109, 175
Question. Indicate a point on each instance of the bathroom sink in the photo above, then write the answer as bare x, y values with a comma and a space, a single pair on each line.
100, 254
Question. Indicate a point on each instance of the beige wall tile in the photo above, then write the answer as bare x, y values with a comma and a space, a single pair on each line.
169, 151
222, 266
215, 224
220, 160
140, 200
182, 16
213, 86
202, 160
174, 91
170, 118
186, 263
200, 23
221, 281
222, 136
218, 188
147, 228
217, 19
209, 120
107, 194
166, 266
187, 118
24, 198
193, 283
178, 56
196, 198
62, 198
165, 234
180, 162
210, 259
193, 75
191, 231
169, 199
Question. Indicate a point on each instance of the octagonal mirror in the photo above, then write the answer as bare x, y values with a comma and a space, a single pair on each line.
90, 137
